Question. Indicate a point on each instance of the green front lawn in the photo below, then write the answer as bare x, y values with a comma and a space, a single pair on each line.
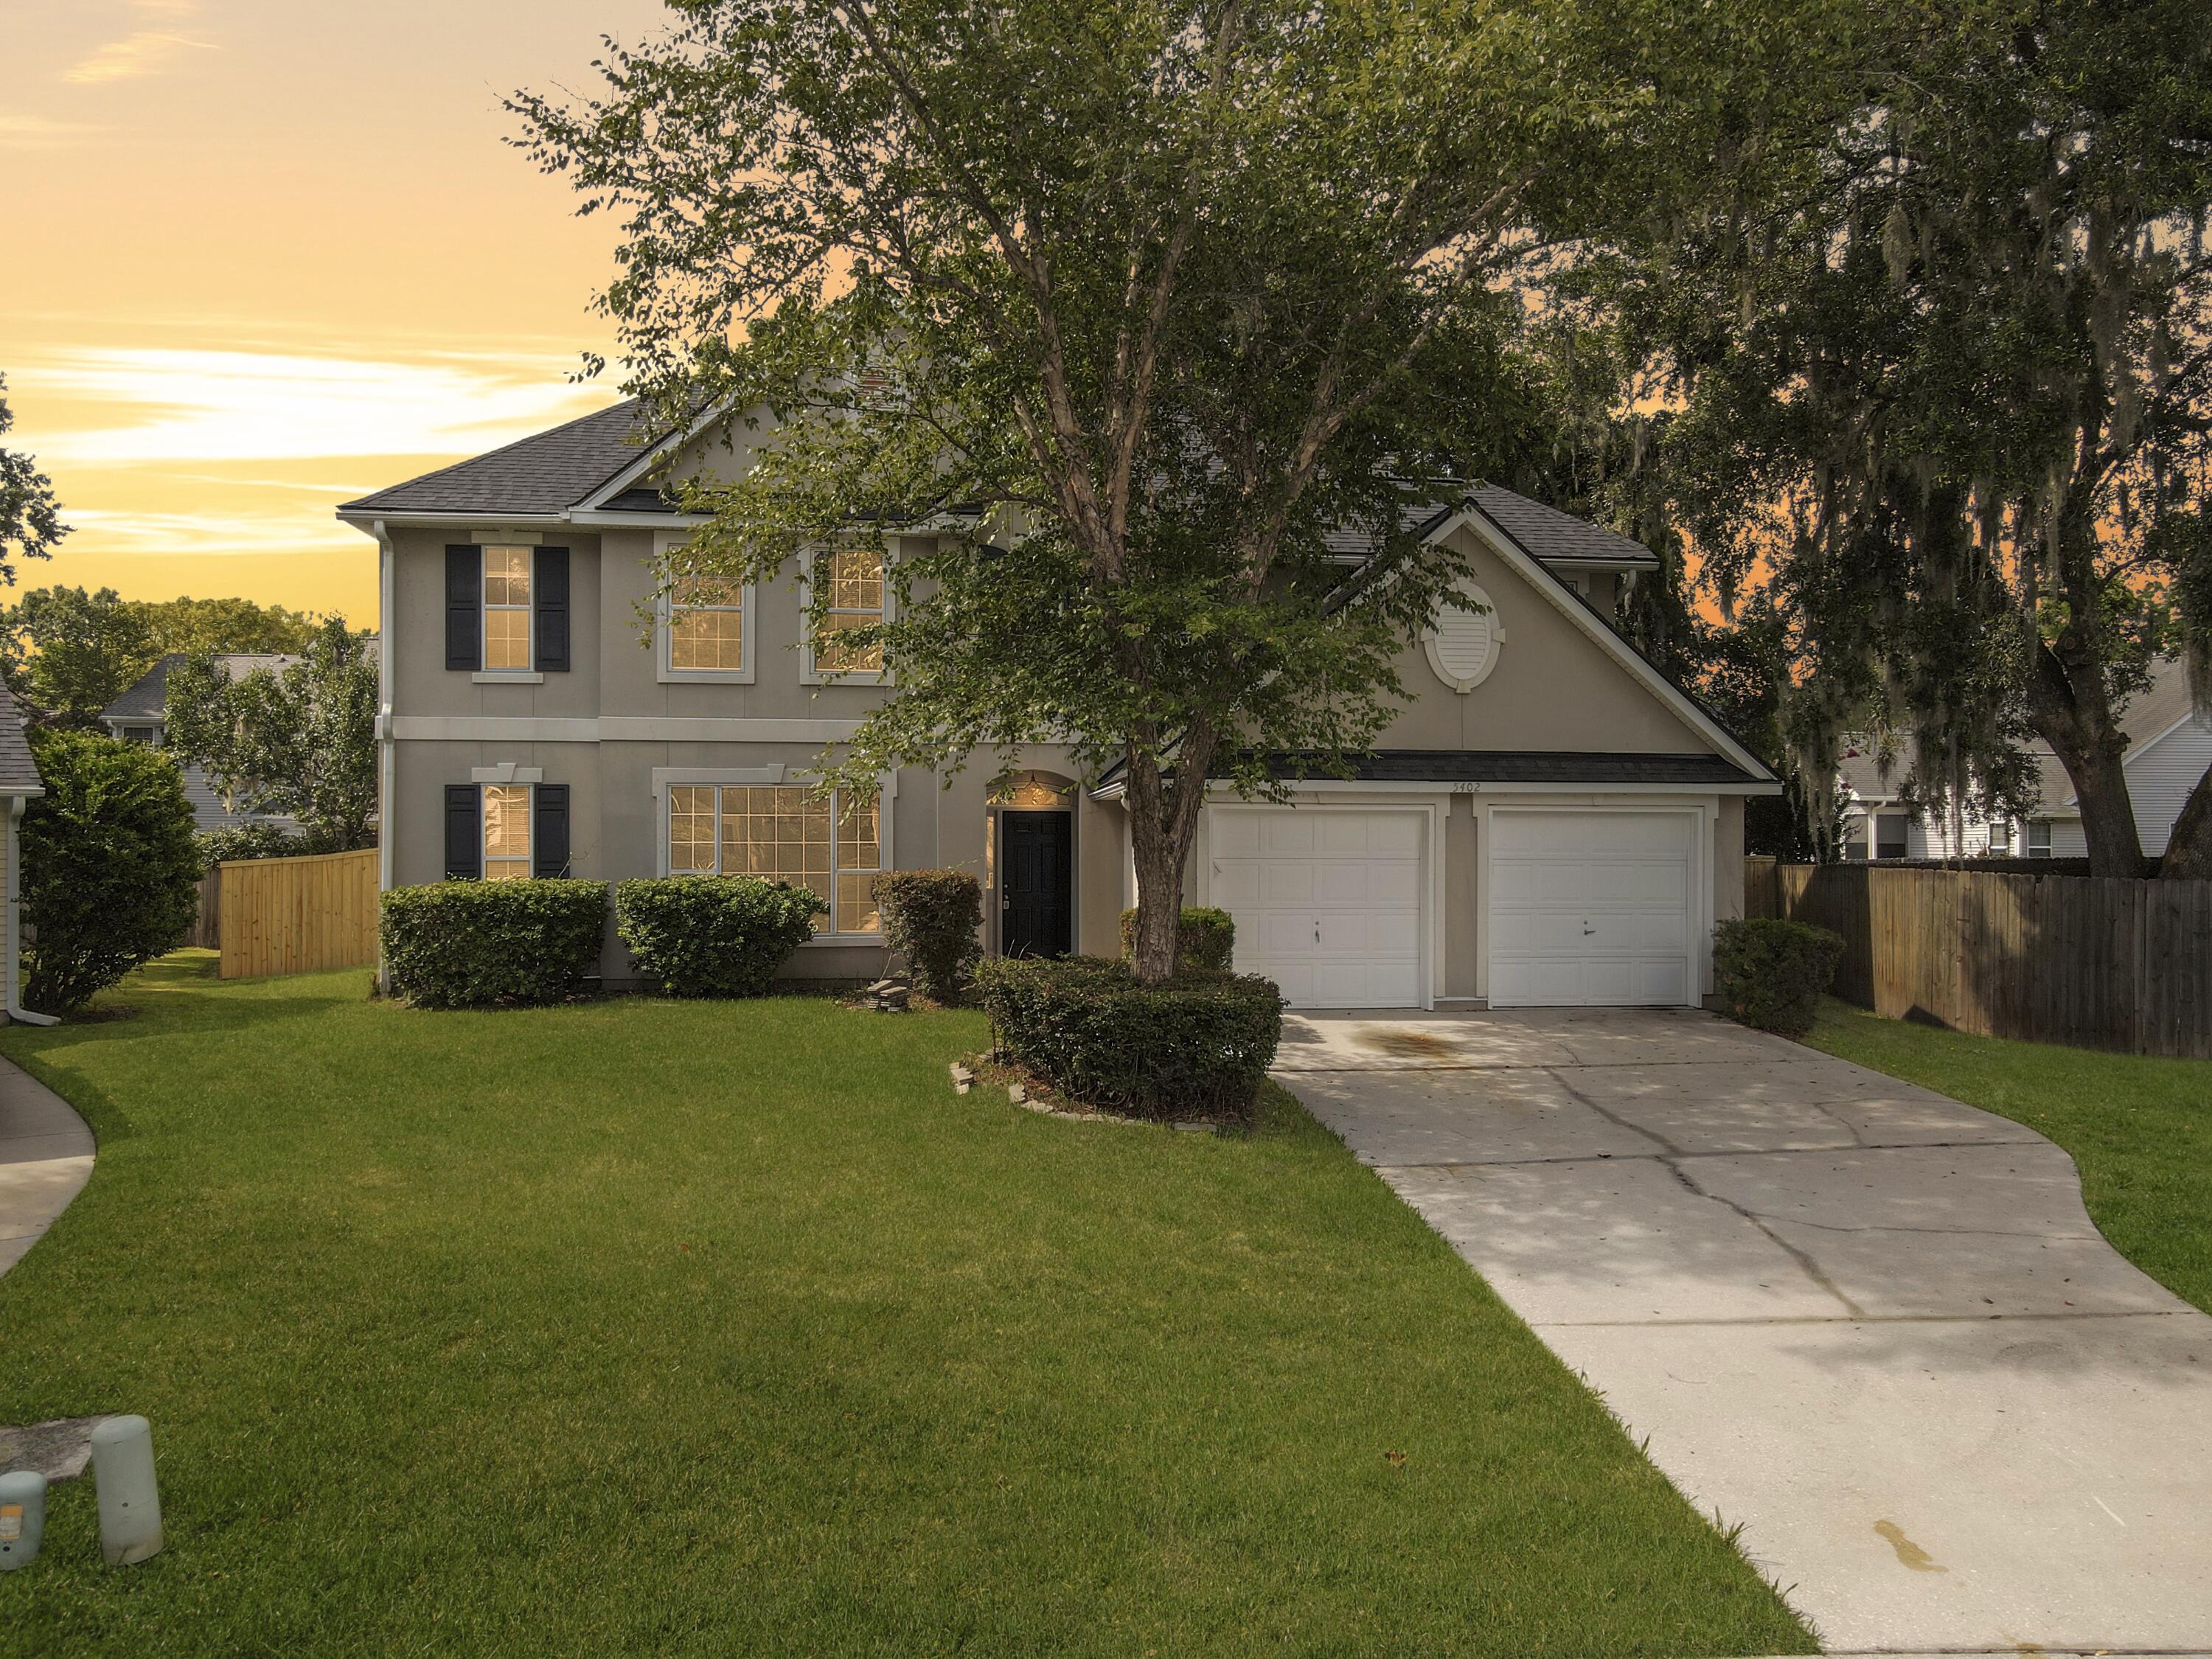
663, 1328
2140, 1130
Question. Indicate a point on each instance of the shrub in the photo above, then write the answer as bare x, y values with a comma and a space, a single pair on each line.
1205, 939
1772, 974
930, 918
713, 936
474, 943
1194, 1047
111, 877
258, 839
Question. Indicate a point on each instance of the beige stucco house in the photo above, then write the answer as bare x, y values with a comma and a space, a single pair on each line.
1549, 822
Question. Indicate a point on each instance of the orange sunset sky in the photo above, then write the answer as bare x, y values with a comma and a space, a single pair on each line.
265, 255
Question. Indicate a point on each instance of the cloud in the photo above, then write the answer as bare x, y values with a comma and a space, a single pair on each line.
206, 534
25, 131
143, 51
228, 405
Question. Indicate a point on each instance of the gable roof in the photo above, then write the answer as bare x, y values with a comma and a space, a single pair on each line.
148, 696
544, 474
19, 772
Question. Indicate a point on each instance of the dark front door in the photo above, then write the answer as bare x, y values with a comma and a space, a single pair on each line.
1037, 878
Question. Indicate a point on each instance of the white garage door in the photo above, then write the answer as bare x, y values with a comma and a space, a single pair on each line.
1590, 909
1328, 902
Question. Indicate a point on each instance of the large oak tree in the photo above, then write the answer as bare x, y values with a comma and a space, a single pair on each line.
1127, 302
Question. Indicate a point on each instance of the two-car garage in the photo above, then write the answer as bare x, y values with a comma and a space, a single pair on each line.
1575, 907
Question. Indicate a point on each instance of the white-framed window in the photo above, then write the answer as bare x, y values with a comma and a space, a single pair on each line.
507, 839
707, 631
783, 832
854, 595
1889, 842
507, 584
2039, 838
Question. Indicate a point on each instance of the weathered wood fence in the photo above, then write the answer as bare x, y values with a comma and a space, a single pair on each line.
2098, 963
207, 925
298, 915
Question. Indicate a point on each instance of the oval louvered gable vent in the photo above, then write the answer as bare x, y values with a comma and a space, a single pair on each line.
1463, 645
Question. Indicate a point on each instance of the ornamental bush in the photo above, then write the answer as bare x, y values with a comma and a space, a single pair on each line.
1194, 1047
713, 936
110, 875
479, 944
255, 839
1205, 939
931, 918
1772, 974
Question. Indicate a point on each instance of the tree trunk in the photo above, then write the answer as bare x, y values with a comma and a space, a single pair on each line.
2079, 727
2189, 854
1162, 825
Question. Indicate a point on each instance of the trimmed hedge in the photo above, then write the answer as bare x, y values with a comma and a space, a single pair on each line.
259, 839
1205, 939
476, 944
1772, 974
931, 918
713, 936
1189, 1047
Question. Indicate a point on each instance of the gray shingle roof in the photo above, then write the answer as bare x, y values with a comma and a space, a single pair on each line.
148, 696
545, 473
1506, 766
1545, 533
19, 774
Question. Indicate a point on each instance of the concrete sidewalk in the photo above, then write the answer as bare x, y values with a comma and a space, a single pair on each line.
1874, 1325
46, 1158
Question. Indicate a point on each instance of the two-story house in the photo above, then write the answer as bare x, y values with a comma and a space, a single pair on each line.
1549, 821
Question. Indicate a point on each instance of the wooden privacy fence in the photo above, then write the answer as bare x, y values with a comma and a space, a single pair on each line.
298, 915
207, 923
2096, 962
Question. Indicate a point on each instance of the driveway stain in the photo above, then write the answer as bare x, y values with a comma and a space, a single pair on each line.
1908, 1553
1407, 1045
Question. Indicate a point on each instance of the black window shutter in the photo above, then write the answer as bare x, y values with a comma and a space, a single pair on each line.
463, 832
549, 832
550, 584
463, 608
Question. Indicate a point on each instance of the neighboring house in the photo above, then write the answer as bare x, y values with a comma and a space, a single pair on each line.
141, 715
1878, 823
19, 782
2169, 749
1549, 822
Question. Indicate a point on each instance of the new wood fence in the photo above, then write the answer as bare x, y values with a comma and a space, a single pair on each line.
2098, 963
298, 915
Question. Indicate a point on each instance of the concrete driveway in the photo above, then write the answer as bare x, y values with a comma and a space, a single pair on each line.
1874, 1326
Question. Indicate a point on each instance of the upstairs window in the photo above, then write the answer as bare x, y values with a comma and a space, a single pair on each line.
2039, 838
707, 627
853, 580
507, 609
786, 833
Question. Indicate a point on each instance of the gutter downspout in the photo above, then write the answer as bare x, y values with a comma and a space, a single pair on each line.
386, 752
11, 935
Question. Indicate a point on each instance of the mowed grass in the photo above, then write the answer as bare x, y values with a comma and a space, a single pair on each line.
692, 1328
2140, 1130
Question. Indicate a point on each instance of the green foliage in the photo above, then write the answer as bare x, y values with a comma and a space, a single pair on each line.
111, 874
1772, 974
1938, 350
481, 944
301, 741
230, 625
1181, 1048
713, 936
71, 652
255, 841
1270, 294
30, 521
1205, 939
931, 917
